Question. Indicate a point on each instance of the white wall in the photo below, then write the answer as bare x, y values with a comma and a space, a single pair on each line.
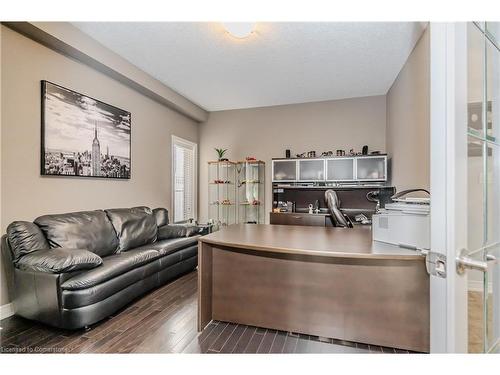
408, 120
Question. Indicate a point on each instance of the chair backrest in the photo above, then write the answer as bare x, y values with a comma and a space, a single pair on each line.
333, 203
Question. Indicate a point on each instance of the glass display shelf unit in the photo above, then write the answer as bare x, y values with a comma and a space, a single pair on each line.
222, 209
251, 191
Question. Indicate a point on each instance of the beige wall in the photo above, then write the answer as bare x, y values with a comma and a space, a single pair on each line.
408, 120
24, 193
266, 132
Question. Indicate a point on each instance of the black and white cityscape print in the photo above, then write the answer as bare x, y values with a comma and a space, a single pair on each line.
82, 136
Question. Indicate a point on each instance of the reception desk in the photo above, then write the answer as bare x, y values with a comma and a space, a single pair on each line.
328, 282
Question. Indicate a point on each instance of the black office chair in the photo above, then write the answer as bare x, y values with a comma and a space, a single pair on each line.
333, 203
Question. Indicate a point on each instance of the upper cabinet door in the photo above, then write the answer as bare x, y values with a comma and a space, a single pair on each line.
340, 169
284, 170
312, 170
373, 168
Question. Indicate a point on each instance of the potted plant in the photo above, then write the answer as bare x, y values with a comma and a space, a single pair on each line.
220, 153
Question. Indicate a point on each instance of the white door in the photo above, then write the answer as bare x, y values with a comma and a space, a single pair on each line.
465, 186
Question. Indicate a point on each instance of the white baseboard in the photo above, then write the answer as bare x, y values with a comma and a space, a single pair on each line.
6, 310
477, 286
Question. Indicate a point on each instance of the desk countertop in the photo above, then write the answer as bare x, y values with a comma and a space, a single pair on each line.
315, 241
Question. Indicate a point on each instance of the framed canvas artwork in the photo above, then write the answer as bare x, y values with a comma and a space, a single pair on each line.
82, 136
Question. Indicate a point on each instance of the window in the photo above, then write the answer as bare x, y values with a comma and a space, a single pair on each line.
184, 160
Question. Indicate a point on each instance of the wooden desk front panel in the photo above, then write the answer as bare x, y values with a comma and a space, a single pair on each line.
298, 219
373, 301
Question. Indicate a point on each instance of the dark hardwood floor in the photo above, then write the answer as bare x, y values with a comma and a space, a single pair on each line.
164, 321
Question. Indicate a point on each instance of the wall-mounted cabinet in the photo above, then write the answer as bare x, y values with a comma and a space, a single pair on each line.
285, 170
341, 169
311, 169
371, 168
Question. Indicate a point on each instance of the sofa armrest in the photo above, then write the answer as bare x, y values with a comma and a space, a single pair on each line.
59, 260
177, 231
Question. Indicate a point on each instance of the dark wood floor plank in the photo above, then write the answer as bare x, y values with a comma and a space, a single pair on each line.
375, 349
388, 350
401, 351
223, 337
267, 341
230, 344
244, 340
130, 334
290, 344
278, 343
311, 346
194, 346
12, 326
255, 341
184, 341
202, 345
164, 334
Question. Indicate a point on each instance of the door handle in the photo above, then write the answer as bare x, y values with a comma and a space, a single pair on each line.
465, 263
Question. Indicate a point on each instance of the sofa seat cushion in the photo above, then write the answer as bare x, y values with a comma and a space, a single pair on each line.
90, 230
146, 275
59, 260
134, 226
165, 247
178, 256
112, 266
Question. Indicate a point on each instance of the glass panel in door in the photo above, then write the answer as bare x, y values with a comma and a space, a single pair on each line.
483, 190
475, 79
493, 31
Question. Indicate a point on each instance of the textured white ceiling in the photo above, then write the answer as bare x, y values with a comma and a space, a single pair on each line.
281, 63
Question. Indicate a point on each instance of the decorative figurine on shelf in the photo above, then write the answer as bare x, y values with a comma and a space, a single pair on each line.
220, 154
303, 155
327, 153
311, 154
365, 150
340, 153
351, 152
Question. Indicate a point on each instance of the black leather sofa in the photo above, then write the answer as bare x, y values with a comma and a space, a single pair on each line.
72, 270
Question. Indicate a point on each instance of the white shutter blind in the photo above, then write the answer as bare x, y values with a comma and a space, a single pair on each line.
184, 179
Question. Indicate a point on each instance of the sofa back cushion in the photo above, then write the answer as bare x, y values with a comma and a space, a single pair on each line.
24, 238
90, 230
134, 226
161, 216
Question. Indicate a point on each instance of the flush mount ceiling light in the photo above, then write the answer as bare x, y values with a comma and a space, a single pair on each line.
239, 29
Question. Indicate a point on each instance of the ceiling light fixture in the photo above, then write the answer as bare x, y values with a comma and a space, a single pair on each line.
239, 29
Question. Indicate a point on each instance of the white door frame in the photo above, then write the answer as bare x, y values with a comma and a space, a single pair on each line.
448, 108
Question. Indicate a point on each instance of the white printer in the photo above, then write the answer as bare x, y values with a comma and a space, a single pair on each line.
405, 223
